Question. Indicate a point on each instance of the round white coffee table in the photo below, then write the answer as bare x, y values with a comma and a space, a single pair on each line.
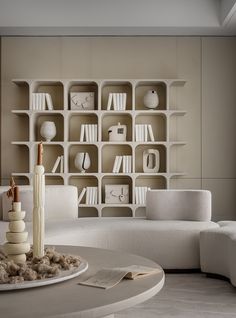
68, 299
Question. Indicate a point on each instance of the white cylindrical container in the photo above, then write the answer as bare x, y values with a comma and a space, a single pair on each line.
48, 130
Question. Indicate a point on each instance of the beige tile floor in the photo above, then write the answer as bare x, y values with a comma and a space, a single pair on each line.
188, 296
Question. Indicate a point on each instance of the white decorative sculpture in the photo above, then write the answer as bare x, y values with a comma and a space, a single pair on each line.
151, 99
17, 244
82, 161
48, 130
151, 161
117, 133
82, 101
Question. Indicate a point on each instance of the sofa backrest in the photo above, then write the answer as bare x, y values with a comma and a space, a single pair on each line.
60, 202
189, 205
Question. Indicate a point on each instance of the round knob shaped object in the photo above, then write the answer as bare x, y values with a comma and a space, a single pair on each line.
16, 216
16, 237
151, 99
14, 249
16, 226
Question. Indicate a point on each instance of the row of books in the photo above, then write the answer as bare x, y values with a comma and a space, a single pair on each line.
89, 132
144, 132
91, 195
41, 100
117, 101
126, 166
140, 195
58, 163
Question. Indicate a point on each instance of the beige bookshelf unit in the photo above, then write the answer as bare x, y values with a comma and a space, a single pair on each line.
102, 153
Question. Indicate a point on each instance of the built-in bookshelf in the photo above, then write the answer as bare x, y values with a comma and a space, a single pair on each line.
71, 138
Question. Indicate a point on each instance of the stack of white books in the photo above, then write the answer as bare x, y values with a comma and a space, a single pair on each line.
41, 100
144, 132
140, 195
58, 163
126, 166
117, 100
91, 195
89, 132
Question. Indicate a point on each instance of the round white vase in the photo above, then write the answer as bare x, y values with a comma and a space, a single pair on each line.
82, 161
151, 99
48, 130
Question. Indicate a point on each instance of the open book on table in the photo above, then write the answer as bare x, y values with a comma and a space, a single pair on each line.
109, 277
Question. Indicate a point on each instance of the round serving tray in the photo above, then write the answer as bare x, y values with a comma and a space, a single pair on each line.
64, 275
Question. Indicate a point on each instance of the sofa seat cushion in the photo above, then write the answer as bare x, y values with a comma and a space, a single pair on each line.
172, 244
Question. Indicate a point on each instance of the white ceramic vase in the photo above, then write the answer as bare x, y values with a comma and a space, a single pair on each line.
48, 130
151, 99
82, 161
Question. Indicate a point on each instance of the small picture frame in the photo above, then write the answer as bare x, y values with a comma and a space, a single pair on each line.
82, 101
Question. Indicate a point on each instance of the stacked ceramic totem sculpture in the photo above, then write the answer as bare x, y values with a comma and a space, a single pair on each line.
16, 245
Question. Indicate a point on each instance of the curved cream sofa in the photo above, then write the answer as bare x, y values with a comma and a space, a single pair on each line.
218, 250
174, 244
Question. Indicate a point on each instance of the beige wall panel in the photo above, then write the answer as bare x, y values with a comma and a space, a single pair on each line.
31, 58
219, 107
136, 57
184, 183
223, 198
188, 158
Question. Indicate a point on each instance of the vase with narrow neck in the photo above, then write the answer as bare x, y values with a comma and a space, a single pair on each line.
48, 130
82, 161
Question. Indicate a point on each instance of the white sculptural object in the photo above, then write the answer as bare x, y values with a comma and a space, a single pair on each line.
151, 99
48, 130
151, 161
82, 161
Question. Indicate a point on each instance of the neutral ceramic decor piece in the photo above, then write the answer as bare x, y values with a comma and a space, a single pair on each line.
16, 245
151, 161
82, 101
82, 161
151, 99
117, 133
117, 193
48, 130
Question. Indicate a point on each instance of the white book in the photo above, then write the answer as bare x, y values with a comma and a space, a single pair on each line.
86, 133
151, 133
114, 169
124, 99
43, 101
146, 188
90, 131
140, 195
136, 195
87, 200
62, 164
114, 97
56, 164
145, 132
36, 101
137, 132
142, 128
118, 101
129, 164
143, 195
124, 164
48, 98
121, 101
33, 101
82, 193
82, 131
96, 195
119, 164
109, 101
96, 133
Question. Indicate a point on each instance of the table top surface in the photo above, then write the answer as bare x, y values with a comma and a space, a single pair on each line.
68, 299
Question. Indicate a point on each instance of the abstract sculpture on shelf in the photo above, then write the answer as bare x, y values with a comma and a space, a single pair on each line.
151, 161
117, 133
39, 201
151, 99
82, 161
16, 245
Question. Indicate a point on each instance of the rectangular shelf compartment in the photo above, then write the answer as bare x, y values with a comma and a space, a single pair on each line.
54, 88
83, 181
75, 122
114, 211
92, 151
50, 154
20, 95
109, 120
143, 87
116, 87
109, 153
58, 119
139, 157
83, 87
117, 180
158, 123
